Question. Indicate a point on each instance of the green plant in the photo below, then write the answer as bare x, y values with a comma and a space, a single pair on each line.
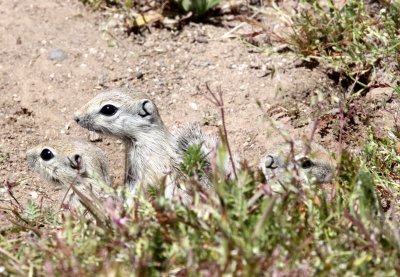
240, 229
356, 39
197, 7
97, 4
194, 162
4, 157
136, 18
32, 211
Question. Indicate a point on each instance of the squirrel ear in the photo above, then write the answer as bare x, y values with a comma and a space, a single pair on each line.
147, 108
75, 162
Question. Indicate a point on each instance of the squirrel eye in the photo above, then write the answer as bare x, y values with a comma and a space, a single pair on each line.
306, 163
46, 154
108, 110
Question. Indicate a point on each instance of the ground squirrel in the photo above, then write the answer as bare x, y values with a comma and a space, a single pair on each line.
314, 163
67, 162
152, 151
192, 134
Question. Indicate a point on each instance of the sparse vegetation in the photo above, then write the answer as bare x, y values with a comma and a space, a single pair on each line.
194, 163
357, 39
3, 157
142, 13
197, 7
243, 229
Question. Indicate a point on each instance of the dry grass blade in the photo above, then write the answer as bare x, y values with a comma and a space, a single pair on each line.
218, 101
24, 226
267, 211
101, 218
17, 265
355, 221
9, 187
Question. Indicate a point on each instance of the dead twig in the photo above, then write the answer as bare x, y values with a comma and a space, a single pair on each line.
358, 223
218, 101
9, 186
65, 195
23, 226
14, 260
89, 204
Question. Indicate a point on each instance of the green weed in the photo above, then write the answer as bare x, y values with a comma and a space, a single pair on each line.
4, 157
241, 229
197, 7
133, 10
194, 162
359, 40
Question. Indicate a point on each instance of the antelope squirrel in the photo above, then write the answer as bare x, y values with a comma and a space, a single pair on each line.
69, 162
191, 134
313, 162
152, 152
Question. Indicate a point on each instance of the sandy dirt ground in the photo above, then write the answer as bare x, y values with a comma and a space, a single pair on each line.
38, 96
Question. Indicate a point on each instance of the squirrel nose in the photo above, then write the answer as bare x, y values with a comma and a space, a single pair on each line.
76, 118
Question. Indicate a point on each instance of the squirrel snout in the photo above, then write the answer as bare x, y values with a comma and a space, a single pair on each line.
31, 157
77, 118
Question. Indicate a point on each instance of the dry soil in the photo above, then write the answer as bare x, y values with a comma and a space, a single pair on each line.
38, 96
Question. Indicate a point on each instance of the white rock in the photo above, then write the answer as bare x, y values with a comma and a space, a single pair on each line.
34, 195
93, 136
193, 106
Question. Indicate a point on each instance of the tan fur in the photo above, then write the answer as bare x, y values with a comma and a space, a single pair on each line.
312, 161
191, 134
62, 169
152, 151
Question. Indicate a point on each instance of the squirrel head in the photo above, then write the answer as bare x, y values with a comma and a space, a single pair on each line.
312, 162
68, 162
120, 113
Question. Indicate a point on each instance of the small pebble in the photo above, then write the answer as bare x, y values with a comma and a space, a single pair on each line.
255, 65
193, 106
93, 137
57, 55
139, 75
34, 195
201, 39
